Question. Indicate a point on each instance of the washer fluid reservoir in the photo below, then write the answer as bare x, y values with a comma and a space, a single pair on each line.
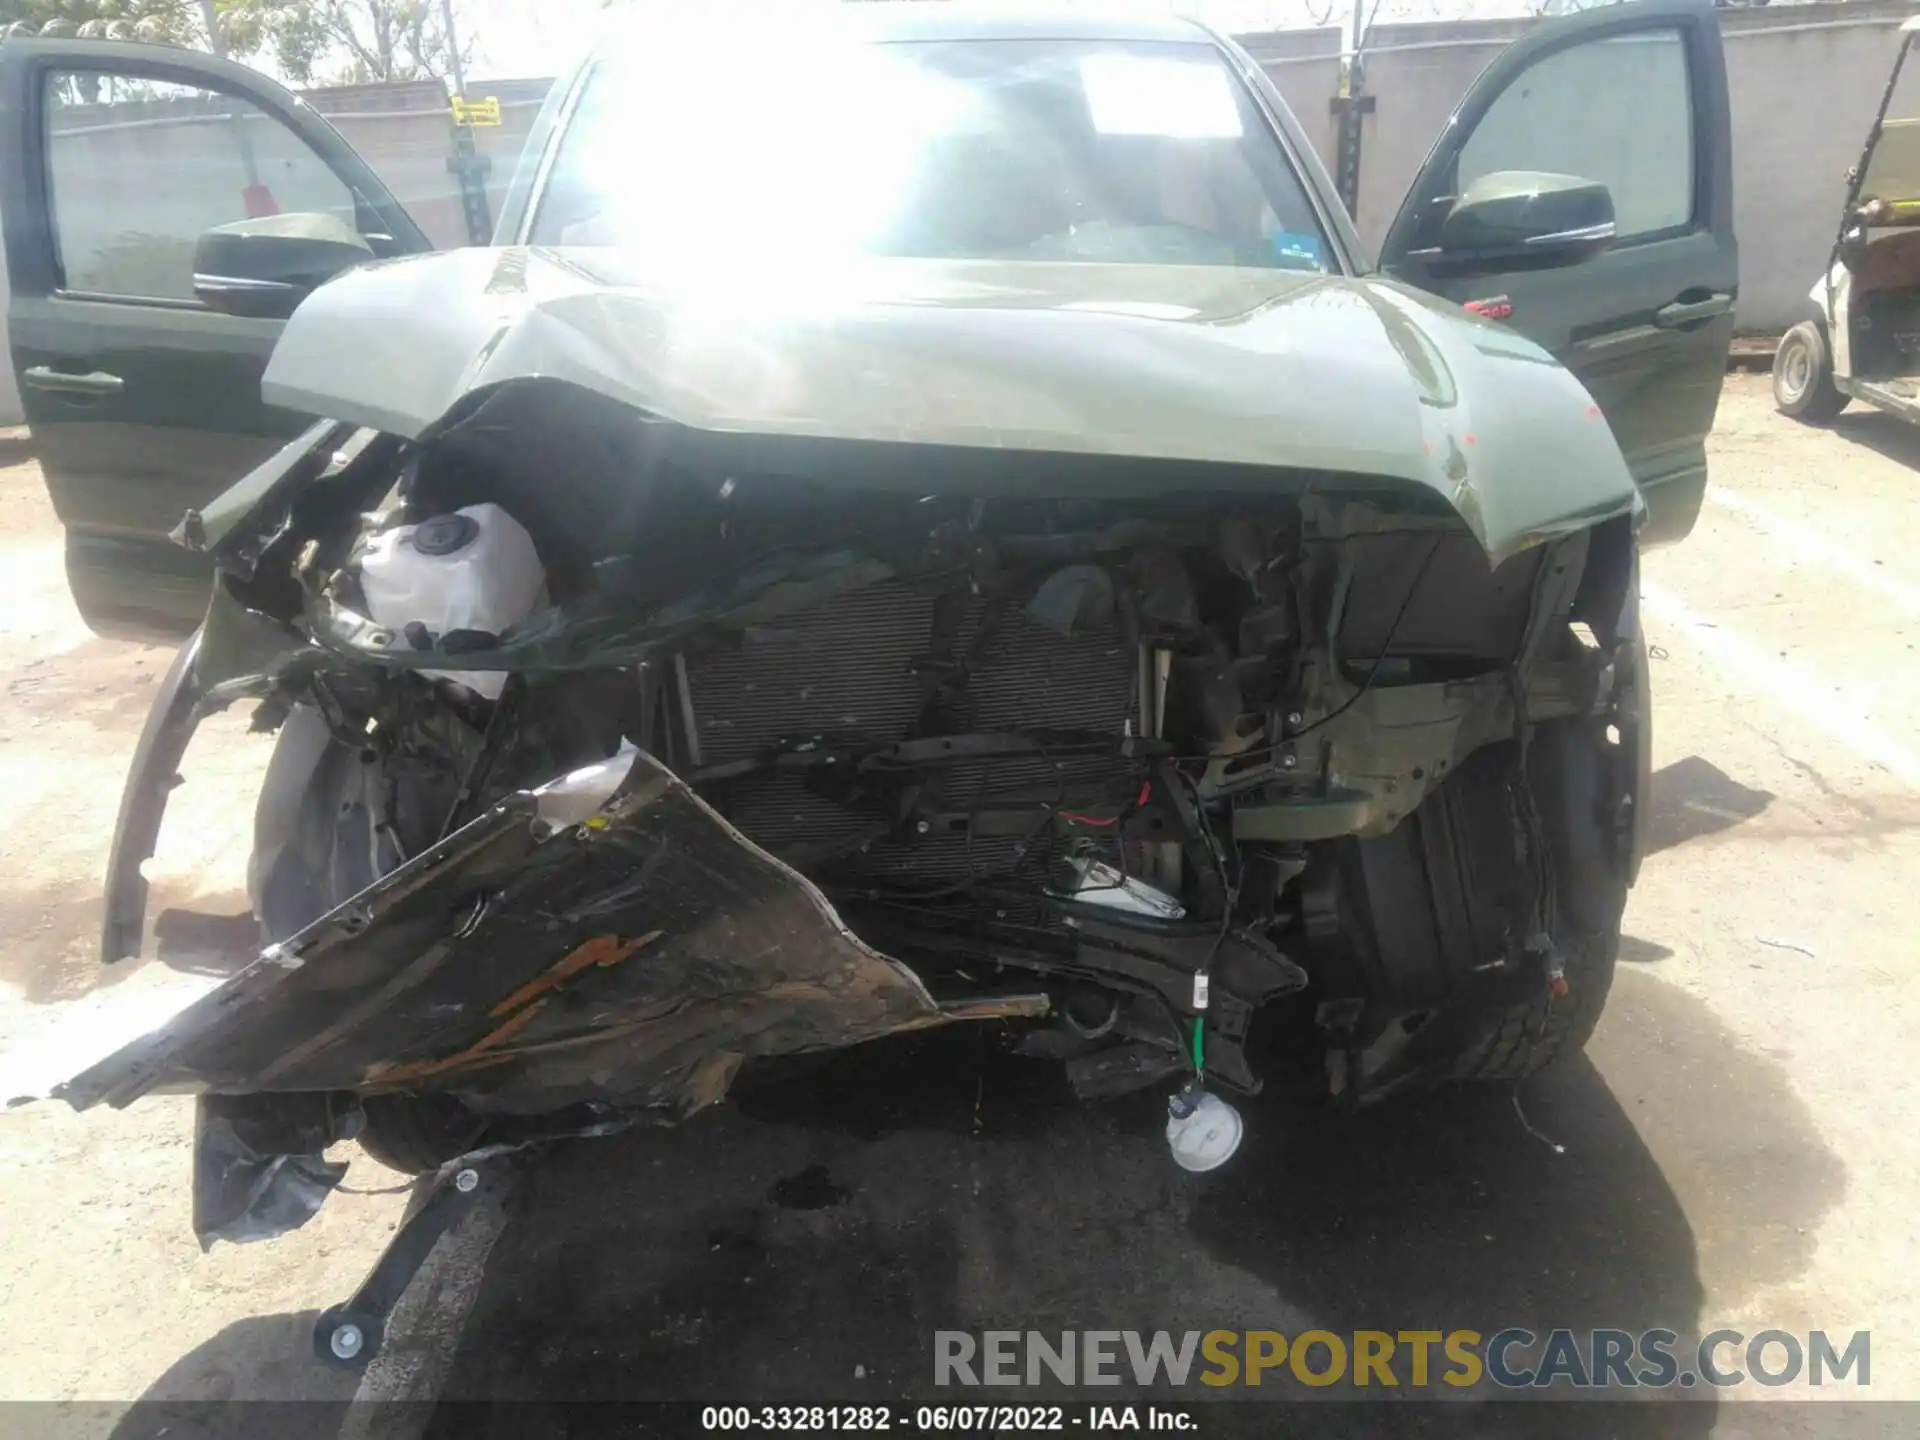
475, 569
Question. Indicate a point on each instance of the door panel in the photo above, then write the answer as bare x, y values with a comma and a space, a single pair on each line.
122, 468
1633, 96
113, 160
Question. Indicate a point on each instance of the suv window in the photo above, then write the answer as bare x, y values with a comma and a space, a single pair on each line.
138, 169
1004, 149
1643, 153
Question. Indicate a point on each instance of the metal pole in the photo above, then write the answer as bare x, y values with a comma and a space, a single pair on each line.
256, 198
453, 49
1348, 110
468, 165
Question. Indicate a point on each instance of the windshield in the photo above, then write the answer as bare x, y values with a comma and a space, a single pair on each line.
1891, 174
976, 149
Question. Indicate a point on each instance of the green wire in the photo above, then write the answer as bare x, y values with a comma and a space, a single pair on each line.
1199, 1045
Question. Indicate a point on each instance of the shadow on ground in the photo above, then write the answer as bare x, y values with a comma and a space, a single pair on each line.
1694, 798
807, 1241
1636, 951
50, 938
256, 1377
1889, 435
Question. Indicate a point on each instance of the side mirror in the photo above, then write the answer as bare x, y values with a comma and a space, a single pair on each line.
1525, 220
262, 269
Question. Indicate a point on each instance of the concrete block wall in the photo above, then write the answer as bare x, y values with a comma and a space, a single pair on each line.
405, 133
1304, 66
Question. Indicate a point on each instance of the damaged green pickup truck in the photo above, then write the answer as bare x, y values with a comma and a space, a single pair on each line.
969, 536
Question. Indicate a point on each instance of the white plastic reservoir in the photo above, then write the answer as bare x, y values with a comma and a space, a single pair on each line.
475, 569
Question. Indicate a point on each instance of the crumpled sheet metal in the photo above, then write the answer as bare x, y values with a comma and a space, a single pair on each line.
534, 960
259, 1170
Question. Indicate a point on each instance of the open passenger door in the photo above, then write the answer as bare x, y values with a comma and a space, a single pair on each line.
141, 386
1634, 289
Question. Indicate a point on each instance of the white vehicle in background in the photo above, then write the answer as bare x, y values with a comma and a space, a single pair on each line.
1862, 340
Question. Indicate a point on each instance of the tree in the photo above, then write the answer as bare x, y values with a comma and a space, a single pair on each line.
175, 22
344, 41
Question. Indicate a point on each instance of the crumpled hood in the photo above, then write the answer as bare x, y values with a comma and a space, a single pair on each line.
1240, 367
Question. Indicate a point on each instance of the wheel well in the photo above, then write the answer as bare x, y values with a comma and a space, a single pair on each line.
1422, 938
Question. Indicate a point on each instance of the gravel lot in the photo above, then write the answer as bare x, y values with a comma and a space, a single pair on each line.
1741, 1146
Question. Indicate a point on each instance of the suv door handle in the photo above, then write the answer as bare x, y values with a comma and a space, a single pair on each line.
1691, 312
97, 382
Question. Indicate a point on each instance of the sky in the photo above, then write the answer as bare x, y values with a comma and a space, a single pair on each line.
519, 39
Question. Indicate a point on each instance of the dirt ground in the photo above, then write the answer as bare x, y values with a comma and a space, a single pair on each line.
1740, 1143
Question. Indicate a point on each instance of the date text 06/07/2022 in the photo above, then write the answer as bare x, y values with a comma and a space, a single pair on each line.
945, 1419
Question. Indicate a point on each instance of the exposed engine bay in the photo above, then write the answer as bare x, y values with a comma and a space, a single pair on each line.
749, 765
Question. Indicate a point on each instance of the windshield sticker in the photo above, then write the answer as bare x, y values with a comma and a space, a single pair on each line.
1298, 251
1176, 99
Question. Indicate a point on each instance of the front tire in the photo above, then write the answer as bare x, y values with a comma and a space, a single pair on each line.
1477, 880
1584, 783
1533, 1035
1803, 376
415, 1134
1424, 921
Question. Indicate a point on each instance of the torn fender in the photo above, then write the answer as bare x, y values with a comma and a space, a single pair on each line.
564, 947
259, 1164
143, 804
